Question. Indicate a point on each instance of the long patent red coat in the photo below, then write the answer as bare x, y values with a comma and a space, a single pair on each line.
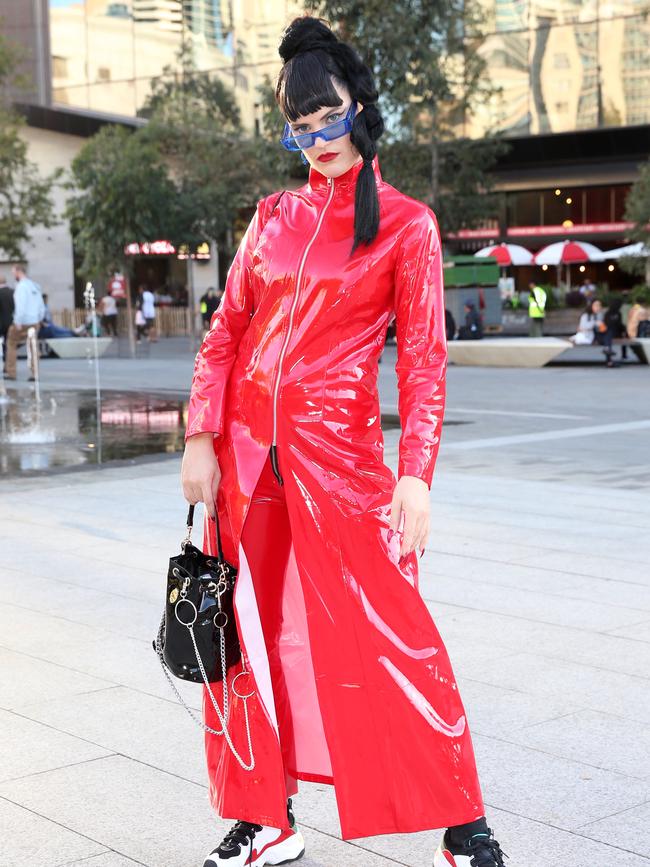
291, 357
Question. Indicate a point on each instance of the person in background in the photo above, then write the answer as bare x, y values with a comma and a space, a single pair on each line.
588, 289
208, 303
473, 327
593, 329
638, 313
149, 313
615, 324
108, 312
6, 313
450, 325
536, 309
140, 323
29, 310
48, 329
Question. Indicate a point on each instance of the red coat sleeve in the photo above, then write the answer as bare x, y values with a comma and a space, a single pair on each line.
421, 346
217, 354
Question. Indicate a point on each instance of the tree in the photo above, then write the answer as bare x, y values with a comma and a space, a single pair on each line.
25, 197
637, 211
431, 76
122, 193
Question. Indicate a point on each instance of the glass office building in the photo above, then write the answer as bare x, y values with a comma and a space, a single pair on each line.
565, 65
105, 53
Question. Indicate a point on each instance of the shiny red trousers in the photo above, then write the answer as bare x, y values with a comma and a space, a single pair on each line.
266, 540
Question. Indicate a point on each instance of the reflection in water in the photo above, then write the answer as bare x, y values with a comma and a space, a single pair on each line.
65, 431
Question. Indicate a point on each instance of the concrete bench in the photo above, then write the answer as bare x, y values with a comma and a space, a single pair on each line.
78, 347
506, 351
640, 346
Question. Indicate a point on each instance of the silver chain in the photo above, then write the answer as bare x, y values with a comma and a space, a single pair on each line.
223, 717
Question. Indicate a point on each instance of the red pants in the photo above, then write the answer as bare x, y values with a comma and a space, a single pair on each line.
266, 540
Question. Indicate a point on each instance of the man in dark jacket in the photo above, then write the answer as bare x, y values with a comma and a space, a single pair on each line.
6, 312
473, 327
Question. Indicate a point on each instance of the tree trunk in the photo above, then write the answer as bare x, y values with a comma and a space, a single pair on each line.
435, 171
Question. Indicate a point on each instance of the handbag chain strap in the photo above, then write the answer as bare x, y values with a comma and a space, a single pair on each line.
221, 626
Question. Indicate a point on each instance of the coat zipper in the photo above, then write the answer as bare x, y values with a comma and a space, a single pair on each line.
274, 453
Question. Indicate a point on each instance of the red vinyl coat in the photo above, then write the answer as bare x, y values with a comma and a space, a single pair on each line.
292, 358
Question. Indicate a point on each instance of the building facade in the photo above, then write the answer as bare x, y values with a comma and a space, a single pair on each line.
92, 62
574, 105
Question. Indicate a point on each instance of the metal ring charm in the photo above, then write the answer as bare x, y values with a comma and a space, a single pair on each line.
234, 688
224, 615
182, 622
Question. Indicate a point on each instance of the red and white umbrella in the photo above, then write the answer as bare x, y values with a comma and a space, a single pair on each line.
568, 253
507, 254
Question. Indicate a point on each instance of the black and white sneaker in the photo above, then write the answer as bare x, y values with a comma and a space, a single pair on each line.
251, 845
479, 850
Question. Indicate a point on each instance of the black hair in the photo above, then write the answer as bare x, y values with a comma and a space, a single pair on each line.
312, 55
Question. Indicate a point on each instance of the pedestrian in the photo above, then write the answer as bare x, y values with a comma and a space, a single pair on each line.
6, 313
149, 312
108, 311
536, 309
29, 310
48, 329
638, 320
587, 289
615, 324
473, 327
140, 323
349, 681
450, 324
208, 303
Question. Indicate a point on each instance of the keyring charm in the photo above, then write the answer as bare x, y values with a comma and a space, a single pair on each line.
182, 622
234, 688
224, 623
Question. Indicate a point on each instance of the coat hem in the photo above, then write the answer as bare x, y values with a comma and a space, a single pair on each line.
401, 828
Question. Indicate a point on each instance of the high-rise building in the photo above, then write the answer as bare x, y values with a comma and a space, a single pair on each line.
575, 107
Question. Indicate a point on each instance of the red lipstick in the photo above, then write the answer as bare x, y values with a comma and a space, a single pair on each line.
327, 157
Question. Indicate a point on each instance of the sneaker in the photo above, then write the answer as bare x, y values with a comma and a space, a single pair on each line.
251, 845
480, 850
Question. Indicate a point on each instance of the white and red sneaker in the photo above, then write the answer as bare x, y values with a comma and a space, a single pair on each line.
479, 850
251, 845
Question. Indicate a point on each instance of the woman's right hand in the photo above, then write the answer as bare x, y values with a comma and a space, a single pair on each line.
200, 473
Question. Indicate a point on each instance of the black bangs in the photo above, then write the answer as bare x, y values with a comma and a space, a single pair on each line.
304, 84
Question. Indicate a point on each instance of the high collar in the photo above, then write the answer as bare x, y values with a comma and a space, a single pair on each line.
344, 184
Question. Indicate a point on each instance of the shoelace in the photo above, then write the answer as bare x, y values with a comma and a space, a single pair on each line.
486, 853
241, 834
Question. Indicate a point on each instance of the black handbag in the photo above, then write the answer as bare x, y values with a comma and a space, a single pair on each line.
197, 638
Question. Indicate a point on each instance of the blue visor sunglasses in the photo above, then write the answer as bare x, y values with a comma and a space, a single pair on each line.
304, 140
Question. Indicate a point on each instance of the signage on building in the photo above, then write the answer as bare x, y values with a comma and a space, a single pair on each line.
117, 286
166, 248
573, 229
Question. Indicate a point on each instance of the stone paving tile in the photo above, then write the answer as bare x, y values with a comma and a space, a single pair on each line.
142, 727
30, 840
107, 859
154, 818
598, 739
36, 680
638, 632
530, 604
627, 829
607, 651
589, 687
560, 792
36, 748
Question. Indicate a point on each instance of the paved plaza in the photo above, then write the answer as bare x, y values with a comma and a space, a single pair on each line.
536, 573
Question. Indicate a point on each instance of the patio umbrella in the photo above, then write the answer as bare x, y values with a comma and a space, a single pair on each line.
506, 254
638, 249
568, 253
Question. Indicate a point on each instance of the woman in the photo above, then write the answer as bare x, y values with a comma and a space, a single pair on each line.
592, 328
348, 681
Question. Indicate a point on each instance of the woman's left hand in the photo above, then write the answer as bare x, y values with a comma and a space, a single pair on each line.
411, 496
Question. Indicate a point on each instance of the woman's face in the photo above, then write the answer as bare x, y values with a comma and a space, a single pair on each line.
345, 153
597, 307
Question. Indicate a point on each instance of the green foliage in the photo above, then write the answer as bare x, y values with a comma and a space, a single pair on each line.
25, 197
431, 76
637, 205
122, 193
640, 294
184, 176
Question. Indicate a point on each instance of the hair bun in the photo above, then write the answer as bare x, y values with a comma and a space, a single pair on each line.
306, 33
